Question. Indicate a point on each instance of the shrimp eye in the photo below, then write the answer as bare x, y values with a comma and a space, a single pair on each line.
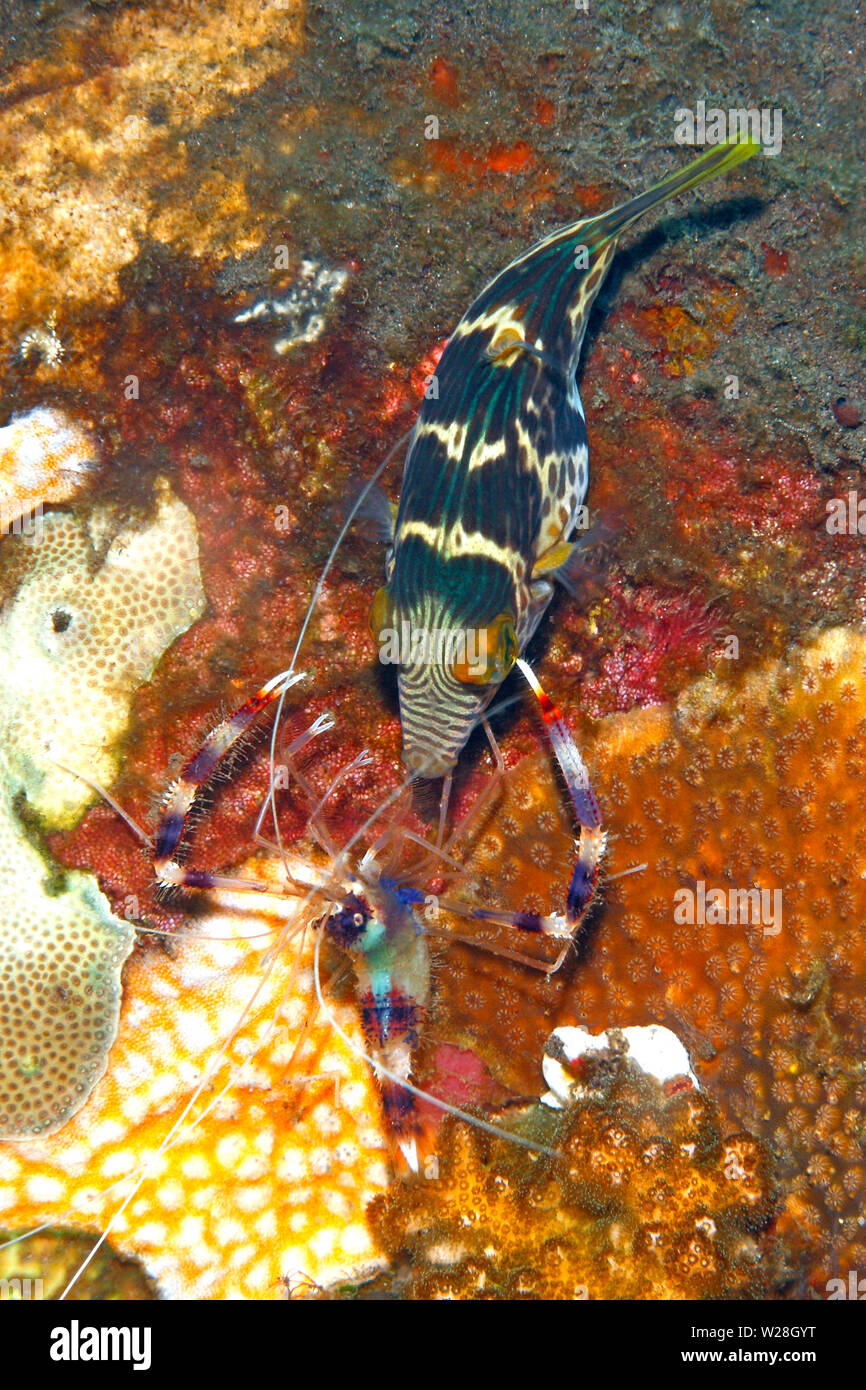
347, 921
381, 613
489, 653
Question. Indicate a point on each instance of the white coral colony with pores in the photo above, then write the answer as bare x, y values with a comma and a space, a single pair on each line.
76, 640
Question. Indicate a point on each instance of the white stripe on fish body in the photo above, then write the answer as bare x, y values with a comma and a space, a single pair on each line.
508, 321
560, 511
504, 321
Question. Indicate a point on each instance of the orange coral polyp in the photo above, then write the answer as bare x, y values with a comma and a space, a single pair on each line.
757, 784
642, 1198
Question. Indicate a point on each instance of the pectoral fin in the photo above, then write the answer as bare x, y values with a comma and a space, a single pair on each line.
509, 341
569, 563
376, 514
553, 559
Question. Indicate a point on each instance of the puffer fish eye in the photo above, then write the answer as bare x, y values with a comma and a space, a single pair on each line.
381, 612
506, 341
496, 654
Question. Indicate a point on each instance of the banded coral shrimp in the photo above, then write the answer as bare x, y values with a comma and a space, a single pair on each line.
220, 992
278, 1153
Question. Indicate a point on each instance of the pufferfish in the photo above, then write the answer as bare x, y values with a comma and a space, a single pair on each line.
496, 474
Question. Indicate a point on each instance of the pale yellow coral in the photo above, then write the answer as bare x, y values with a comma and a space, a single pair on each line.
61, 954
76, 640
79, 637
83, 176
267, 1178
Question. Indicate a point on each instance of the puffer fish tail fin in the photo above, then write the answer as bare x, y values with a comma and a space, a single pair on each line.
718, 160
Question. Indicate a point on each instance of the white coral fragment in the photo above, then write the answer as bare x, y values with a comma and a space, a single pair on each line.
45, 456
303, 310
655, 1050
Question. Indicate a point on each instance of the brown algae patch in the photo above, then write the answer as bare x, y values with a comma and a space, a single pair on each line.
83, 176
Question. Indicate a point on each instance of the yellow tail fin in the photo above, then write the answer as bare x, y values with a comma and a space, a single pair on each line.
718, 160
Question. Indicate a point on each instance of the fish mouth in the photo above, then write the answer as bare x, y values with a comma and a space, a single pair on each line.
433, 752
422, 763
